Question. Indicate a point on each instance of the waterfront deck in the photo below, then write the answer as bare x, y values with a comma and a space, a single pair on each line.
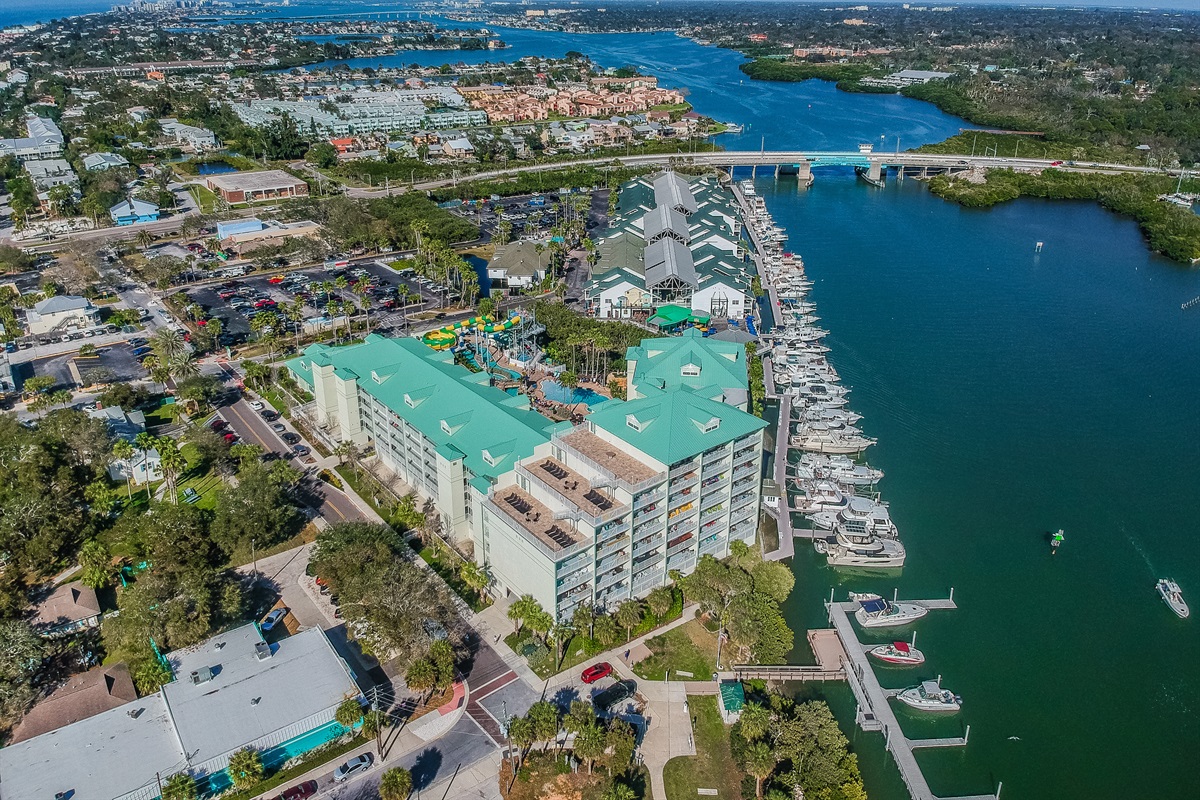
875, 712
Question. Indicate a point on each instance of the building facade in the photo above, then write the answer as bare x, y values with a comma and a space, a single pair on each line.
598, 512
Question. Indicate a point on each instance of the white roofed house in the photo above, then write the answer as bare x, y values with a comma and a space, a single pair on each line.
60, 312
49, 173
188, 135
102, 161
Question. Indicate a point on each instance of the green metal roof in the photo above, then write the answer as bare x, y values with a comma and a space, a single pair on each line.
667, 316
674, 425
733, 696
707, 365
456, 409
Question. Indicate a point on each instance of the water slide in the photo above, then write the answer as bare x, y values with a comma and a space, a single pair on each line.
443, 338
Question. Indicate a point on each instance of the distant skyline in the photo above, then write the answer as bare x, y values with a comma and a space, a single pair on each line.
24, 12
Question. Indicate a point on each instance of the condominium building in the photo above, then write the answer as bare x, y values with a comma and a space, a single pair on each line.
598, 512
45, 140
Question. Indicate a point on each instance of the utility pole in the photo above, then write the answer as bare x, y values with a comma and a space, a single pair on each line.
254, 558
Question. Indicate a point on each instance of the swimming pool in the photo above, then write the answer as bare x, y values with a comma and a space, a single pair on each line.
277, 756
557, 393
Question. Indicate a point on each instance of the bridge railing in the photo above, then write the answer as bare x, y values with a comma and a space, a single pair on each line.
786, 672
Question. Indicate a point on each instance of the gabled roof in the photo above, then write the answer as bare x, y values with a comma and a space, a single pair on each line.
665, 220
670, 258
61, 303
69, 603
519, 259
672, 189
674, 425
81, 696
133, 207
709, 367
447, 403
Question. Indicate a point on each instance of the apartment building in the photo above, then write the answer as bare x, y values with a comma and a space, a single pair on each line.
598, 512
45, 140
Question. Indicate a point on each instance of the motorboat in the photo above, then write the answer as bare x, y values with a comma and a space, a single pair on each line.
901, 654
863, 552
826, 441
931, 697
1172, 595
824, 496
875, 612
840, 468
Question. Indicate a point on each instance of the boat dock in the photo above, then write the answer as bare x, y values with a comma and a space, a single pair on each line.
875, 712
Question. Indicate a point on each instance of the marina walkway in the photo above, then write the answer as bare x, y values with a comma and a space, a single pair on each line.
875, 712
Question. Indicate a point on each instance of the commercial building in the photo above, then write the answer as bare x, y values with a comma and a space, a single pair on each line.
518, 265
45, 140
198, 139
58, 313
673, 242
246, 234
248, 187
132, 210
598, 512
230, 692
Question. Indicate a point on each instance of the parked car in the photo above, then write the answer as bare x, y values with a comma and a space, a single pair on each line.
290, 438
355, 766
218, 424
596, 672
257, 405
274, 618
614, 695
269, 414
299, 792
301, 451
278, 427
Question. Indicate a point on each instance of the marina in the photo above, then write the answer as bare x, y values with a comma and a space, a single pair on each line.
817, 476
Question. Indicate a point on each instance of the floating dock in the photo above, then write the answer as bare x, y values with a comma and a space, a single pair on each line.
875, 713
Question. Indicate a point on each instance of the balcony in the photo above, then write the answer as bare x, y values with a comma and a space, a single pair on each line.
590, 503
741, 499
640, 562
743, 513
679, 511
649, 543
580, 591
647, 528
611, 547
649, 511
680, 469
571, 581
648, 497
743, 482
647, 580
741, 451
711, 544
606, 533
744, 469
712, 511
681, 561
686, 481
713, 469
611, 579
615, 560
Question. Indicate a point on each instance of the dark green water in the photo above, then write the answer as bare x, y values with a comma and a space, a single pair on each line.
1014, 393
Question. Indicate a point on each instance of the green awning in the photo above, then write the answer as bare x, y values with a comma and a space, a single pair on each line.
668, 316
700, 319
733, 696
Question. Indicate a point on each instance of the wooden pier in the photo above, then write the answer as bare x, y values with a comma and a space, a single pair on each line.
874, 711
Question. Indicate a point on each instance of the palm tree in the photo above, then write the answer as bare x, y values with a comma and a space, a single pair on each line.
348, 713
544, 717
606, 631
396, 784
629, 615
476, 576
755, 721
295, 313
421, 676
168, 345
520, 733
584, 616
172, 463
179, 786
185, 366
660, 600
760, 763
618, 791
245, 768
144, 239
256, 373
123, 450
521, 609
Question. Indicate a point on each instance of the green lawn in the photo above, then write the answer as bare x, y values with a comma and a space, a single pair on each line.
206, 485
162, 415
204, 198
688, 648
712, 767
447, 566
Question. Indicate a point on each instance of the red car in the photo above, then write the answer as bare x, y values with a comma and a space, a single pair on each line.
1056, 163
299, 792
596, 672
217, 424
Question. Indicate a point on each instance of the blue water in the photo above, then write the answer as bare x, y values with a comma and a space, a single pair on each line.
558, 393
26, 12
216, 168
276, 757
480, 265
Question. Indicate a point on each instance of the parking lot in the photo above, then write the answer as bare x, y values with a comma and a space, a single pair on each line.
236, 301
113, 362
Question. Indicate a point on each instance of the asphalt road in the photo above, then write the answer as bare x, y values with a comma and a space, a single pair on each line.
335, 506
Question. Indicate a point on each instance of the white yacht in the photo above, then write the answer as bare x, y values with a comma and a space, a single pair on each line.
818, 413
929, 696
840, 468
1172, 595
900, 654
826, 441
860, 514
864, 551
823, 496
875, 612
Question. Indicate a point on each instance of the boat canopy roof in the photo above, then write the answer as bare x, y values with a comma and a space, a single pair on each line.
930, 687
874, 605
901, 647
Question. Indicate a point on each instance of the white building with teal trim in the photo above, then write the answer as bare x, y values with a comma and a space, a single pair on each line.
596, 513
674, 240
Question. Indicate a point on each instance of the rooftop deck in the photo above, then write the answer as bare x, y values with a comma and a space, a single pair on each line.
573, 487
535, 517
608, 457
